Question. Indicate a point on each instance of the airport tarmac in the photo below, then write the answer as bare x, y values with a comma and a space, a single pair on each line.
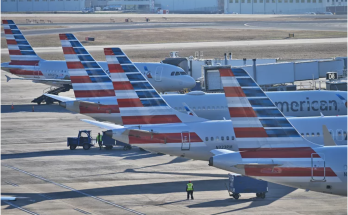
37, 165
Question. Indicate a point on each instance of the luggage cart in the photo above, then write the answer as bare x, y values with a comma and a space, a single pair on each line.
242, 184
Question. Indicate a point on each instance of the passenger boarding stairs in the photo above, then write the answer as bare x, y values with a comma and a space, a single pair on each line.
54, 91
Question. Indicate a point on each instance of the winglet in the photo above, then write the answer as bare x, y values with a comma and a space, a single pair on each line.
189, 110
8, 78
328, 141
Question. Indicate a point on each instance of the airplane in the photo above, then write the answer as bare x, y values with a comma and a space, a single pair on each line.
106, 108
257, 132
164, 77
26, 64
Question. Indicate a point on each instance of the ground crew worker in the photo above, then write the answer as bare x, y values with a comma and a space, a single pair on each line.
189, 190
100, 141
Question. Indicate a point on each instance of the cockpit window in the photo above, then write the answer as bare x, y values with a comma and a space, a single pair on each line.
177, 73
183, 73
172, 74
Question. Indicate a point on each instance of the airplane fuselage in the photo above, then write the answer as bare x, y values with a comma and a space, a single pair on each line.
323, 169
158, 74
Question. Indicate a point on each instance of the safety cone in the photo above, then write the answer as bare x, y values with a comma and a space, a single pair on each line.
12, 108
33, 109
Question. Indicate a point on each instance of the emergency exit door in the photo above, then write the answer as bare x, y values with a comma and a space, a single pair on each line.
318, 167
185, 137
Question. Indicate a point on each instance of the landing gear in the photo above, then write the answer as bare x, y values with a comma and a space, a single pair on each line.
72, 147
127, 147
108, 147
236, 195
261, 195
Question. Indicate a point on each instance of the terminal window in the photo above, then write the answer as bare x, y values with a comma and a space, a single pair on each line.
297, 1
237, 1
279, 1
314, 1
249, 1
302, 1
291, 1
231, 1
243, 1
273, 1
261, 1
267, 1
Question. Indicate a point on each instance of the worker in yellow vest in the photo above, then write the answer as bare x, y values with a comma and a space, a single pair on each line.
189, 190
100, 140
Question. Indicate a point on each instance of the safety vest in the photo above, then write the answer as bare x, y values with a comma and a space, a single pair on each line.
100, 137
189, 186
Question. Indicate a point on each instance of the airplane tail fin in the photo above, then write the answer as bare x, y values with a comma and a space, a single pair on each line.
89, 80
252, 113
21, 52
139, 102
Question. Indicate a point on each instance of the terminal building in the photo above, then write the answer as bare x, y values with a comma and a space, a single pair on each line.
184, 6
41, 5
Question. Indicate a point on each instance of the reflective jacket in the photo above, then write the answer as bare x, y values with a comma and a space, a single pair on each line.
189, 187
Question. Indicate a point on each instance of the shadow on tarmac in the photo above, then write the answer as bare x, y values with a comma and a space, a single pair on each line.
37, 108
276, 192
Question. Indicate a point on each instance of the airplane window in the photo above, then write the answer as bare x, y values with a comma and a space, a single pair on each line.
175, 108
339, 133
203, 108
222, 107
344, 134
232, 138
307, 135
180, 108
198, 108
227, 138
217, 138
207, 139
212, 138
318, 134
177, 73
208, 108
194, 108
313, 135
212, 107
172, 74
183, 73
222, 138
302, 134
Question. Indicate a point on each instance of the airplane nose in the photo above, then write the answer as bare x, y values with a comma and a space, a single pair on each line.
189, 82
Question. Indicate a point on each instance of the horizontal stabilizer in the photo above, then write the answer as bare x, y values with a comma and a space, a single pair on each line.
60, 98
103, 125
41, 80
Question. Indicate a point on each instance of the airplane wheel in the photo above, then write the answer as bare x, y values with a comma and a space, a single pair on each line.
236, 195
108, 147
72, 147
262, 195
86, 147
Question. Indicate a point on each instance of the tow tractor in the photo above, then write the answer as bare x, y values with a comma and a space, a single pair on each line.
84, 139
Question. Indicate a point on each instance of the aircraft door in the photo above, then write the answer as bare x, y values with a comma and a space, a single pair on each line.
158, 73
318, 167
185, 137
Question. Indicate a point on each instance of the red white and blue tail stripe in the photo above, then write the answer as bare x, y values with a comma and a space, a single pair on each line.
89, 80
139, 102
20, 51
252, 113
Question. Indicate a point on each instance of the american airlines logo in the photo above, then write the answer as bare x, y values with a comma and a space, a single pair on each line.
307, 105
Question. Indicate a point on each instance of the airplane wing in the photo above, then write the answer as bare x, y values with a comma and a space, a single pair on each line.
220, 151
60, 98
8, 198
43, 81
328, 141
103, 125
